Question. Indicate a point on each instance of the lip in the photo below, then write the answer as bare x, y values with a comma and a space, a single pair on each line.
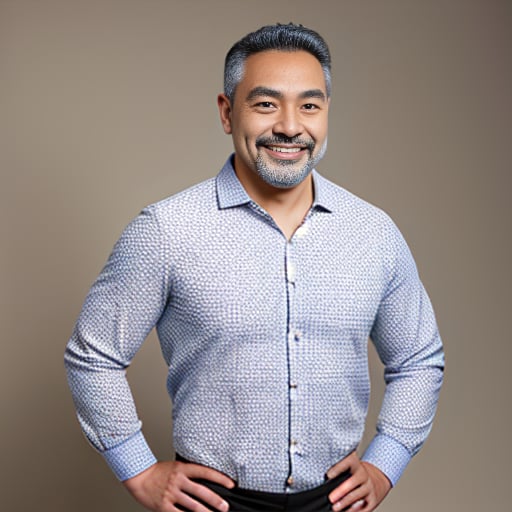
287, 154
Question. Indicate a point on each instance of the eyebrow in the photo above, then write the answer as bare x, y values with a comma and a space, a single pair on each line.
313, 93
257, 92
260, 91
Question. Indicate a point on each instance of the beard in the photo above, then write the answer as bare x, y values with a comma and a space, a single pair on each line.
287, 173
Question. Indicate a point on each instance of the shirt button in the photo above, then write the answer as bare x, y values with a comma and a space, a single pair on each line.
294, 447
293, 385
290, 481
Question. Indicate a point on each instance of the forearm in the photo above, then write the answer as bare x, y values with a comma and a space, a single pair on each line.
107, 414
406, 416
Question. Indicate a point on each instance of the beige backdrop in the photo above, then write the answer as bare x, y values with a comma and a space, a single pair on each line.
108, 105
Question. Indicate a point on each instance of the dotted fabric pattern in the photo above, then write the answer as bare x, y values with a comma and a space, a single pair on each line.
265, 338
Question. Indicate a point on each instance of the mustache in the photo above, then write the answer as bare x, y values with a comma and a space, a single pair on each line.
282, 139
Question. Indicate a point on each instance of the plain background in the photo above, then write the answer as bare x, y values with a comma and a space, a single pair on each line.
108, 105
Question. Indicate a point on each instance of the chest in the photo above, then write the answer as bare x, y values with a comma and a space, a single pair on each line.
246, 280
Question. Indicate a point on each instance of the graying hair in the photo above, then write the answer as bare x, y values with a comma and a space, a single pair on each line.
279, 37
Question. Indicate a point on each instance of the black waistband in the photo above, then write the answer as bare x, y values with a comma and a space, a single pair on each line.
247, 500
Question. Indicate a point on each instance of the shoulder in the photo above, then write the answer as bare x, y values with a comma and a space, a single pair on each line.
353, 212
356, 222
371, 227
166, 219
195, 200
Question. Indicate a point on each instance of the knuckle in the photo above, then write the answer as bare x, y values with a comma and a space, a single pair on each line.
179, 479
169, 497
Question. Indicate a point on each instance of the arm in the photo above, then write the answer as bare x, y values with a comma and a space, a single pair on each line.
407, 340
122, 307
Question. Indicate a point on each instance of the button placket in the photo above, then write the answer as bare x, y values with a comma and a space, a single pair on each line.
295, 337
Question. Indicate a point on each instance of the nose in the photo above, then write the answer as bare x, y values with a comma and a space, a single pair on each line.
288, 123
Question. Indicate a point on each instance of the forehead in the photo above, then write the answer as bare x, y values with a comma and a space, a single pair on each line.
285, 71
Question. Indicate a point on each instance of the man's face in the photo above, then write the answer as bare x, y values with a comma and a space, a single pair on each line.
278, 118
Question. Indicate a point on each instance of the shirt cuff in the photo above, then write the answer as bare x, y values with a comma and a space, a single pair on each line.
130, 458
388, 455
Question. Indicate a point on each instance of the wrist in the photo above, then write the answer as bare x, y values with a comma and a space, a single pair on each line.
388, 455
135, 482
380, 481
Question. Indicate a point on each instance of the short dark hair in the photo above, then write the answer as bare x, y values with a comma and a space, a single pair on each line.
290, 38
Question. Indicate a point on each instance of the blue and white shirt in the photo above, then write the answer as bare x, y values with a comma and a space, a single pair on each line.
265, 338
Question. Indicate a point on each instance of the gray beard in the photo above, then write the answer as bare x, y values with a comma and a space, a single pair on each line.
282, 174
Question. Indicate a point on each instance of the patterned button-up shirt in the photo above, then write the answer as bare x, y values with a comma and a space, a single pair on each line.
265, 338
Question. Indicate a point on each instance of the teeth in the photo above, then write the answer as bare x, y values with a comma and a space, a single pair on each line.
284, 150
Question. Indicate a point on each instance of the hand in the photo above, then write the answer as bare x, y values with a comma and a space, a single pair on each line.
165, 485
363, 490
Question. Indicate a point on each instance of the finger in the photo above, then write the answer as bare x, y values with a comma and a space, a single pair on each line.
346, 464
355, 500
189, 503
358, 479
197, 471
358, 505
206, 495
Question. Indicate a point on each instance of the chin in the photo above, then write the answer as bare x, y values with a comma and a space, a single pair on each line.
281, 180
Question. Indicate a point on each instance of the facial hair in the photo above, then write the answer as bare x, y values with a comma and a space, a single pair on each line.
284, 173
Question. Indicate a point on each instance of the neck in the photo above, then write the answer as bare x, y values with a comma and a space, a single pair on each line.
287, 207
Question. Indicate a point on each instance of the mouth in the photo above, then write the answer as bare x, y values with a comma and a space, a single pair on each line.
283, 153
280, 149
285, 149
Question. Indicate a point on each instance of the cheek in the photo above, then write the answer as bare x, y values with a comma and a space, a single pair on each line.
253, 126
320, 136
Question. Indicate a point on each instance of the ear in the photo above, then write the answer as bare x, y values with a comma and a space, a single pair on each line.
225, 112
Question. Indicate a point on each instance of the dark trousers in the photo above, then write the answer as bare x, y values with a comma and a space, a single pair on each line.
245, 500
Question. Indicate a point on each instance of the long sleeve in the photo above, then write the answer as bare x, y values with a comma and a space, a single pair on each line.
122, 307
265, 339
406, 337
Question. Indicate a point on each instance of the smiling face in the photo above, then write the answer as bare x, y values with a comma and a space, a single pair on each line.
278, 118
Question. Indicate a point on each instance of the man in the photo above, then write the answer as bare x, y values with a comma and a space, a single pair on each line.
264, 284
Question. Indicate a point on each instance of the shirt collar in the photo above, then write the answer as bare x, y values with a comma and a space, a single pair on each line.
231, 193
325, 199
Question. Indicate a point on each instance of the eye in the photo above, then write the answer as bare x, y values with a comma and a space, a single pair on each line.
264, 107
310, 106
265, 104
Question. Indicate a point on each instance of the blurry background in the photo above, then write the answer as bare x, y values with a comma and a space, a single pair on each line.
108, 105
